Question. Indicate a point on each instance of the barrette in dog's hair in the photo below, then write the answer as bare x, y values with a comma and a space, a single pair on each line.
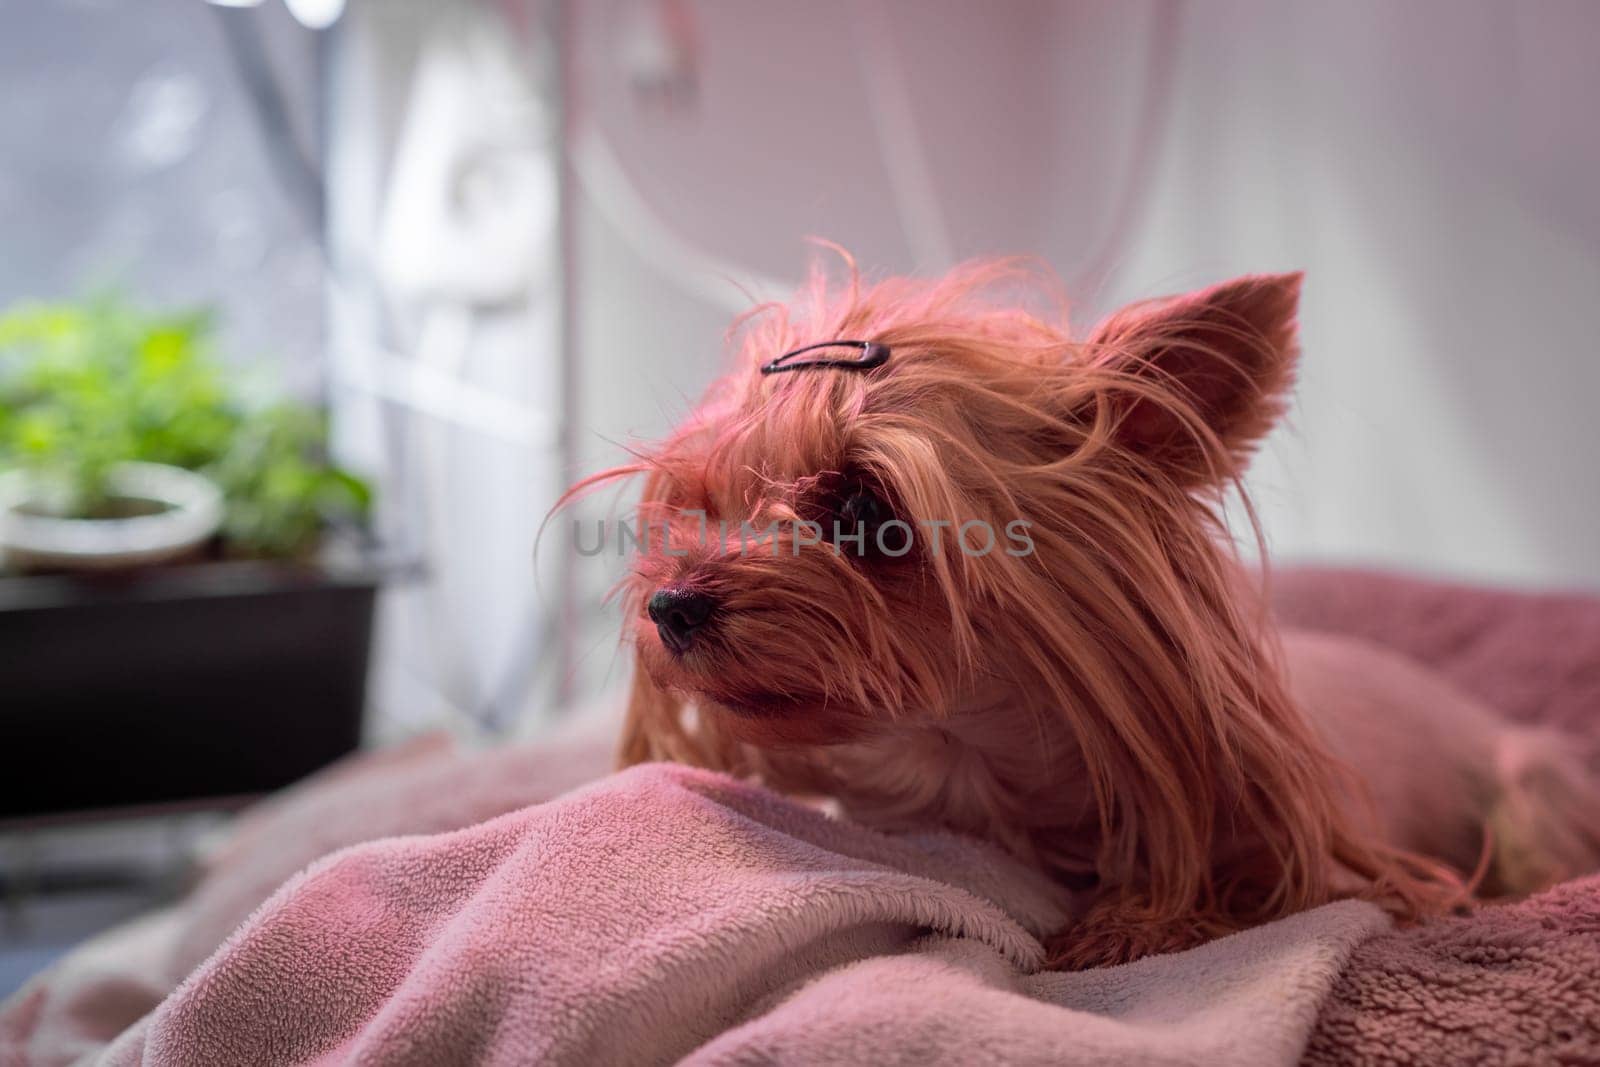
872, 355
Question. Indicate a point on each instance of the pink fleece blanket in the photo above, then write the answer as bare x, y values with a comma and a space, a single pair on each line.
669, 914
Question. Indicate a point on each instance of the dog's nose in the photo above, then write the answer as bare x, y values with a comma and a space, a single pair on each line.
678, 613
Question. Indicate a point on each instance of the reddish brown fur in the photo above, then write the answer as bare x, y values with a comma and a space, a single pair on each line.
1110, 707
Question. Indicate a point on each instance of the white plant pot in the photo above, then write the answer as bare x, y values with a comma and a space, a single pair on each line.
193, 513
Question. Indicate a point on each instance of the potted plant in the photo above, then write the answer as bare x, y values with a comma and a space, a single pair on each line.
177, 620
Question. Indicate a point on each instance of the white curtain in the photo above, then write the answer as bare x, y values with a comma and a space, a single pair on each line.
445, 346
1433, 167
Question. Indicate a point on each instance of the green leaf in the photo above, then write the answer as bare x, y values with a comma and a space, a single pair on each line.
90, 383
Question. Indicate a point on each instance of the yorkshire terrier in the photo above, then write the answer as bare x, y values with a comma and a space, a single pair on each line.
1100, 692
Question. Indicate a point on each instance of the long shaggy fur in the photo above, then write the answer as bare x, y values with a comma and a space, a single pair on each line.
1109, 707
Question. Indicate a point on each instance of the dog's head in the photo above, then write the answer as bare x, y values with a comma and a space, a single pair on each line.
963, 512
847, 540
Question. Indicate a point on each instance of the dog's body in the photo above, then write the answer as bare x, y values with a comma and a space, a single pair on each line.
1445, 776
1111, 705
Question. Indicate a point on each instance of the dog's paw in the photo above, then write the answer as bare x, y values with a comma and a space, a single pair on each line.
1121, 931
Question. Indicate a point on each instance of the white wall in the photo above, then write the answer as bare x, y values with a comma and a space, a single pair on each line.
1433, 167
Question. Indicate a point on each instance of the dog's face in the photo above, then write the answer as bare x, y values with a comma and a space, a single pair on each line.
995, 508
1071, 669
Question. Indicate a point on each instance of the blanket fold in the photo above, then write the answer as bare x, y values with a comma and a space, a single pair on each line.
668, 913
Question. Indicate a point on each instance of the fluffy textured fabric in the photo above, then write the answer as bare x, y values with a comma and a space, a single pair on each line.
1512, 985
1515, 984
669, 912
72, 1010
1533, 657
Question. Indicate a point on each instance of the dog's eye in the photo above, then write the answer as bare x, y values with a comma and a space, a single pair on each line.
863, 507
858, 520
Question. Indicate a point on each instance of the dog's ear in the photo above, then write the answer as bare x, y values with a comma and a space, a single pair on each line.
1222, 357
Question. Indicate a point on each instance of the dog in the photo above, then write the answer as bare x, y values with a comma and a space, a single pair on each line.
1101, 693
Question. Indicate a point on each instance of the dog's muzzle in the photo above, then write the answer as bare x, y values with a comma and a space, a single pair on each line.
679, 614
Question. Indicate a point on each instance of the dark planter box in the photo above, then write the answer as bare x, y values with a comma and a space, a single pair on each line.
180, 683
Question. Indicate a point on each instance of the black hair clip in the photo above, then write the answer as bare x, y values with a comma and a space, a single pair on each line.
872, 355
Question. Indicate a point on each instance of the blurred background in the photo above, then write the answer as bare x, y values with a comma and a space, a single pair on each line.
309, 310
